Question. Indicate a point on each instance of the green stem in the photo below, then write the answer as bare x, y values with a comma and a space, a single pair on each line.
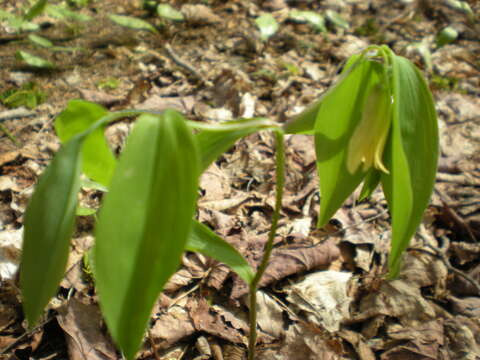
9, 135
280, 180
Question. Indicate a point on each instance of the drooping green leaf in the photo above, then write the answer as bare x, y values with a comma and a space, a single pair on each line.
412, 154
48, 224
267, 25
205, 241
39, 40
214, 142
35, 10
167, 11
34, 61
145, 223
132, 22
343, 119
304, 123
310, 17
98, 160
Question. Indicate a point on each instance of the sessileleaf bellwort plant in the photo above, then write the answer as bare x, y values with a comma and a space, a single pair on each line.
376, 124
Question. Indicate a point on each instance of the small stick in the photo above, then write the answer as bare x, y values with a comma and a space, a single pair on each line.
176, 59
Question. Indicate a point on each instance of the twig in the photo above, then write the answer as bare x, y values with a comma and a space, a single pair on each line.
25, 335
442, 257
177, 60
16, 113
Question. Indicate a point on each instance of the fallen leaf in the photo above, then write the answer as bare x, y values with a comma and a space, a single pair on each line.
323, 297
83, 325
200, 15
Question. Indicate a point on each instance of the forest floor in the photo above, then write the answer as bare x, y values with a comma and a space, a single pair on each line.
324, 296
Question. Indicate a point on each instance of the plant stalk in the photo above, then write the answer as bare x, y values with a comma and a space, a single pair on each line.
280, 181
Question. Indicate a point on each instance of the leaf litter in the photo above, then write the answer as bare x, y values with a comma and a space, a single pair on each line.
430, 312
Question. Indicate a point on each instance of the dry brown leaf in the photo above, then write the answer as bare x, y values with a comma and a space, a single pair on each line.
322, 296
217, 322
83, 325
183, 104
286, 262
200, 14
399, 299
270, 315
172, 326
424, 342
100, 97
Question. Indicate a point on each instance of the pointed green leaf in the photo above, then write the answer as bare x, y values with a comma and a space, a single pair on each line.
412, 155
132, 22
267, 25
145, 223
35, 10
311, 17
342, 138
168, 12
39, 40
205, 241
63, 13
370, 184
98, 160
48, 224
34, 61
214, 142
304, 123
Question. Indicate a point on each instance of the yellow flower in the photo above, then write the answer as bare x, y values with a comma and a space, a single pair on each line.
365, 148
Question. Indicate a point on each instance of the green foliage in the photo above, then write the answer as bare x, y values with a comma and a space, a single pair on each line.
33, 61
98, 160
166, 11
384, 131
28, 95
109, 83
48, 227
138, 249
132, 22
376, 125
205, 241
267, 25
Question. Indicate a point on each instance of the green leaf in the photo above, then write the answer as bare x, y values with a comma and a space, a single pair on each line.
63, 13
205, 241
214, 142
166, 11
341, 128
33, 60
98, 161
132, 22
370, 184
145, 223
304, 123
310, 17
267, 25
85, 211
35, 10
446, 36
38, 40
412, 154
336, 19
48, 224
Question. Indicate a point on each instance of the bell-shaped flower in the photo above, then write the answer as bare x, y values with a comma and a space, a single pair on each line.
377, 123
